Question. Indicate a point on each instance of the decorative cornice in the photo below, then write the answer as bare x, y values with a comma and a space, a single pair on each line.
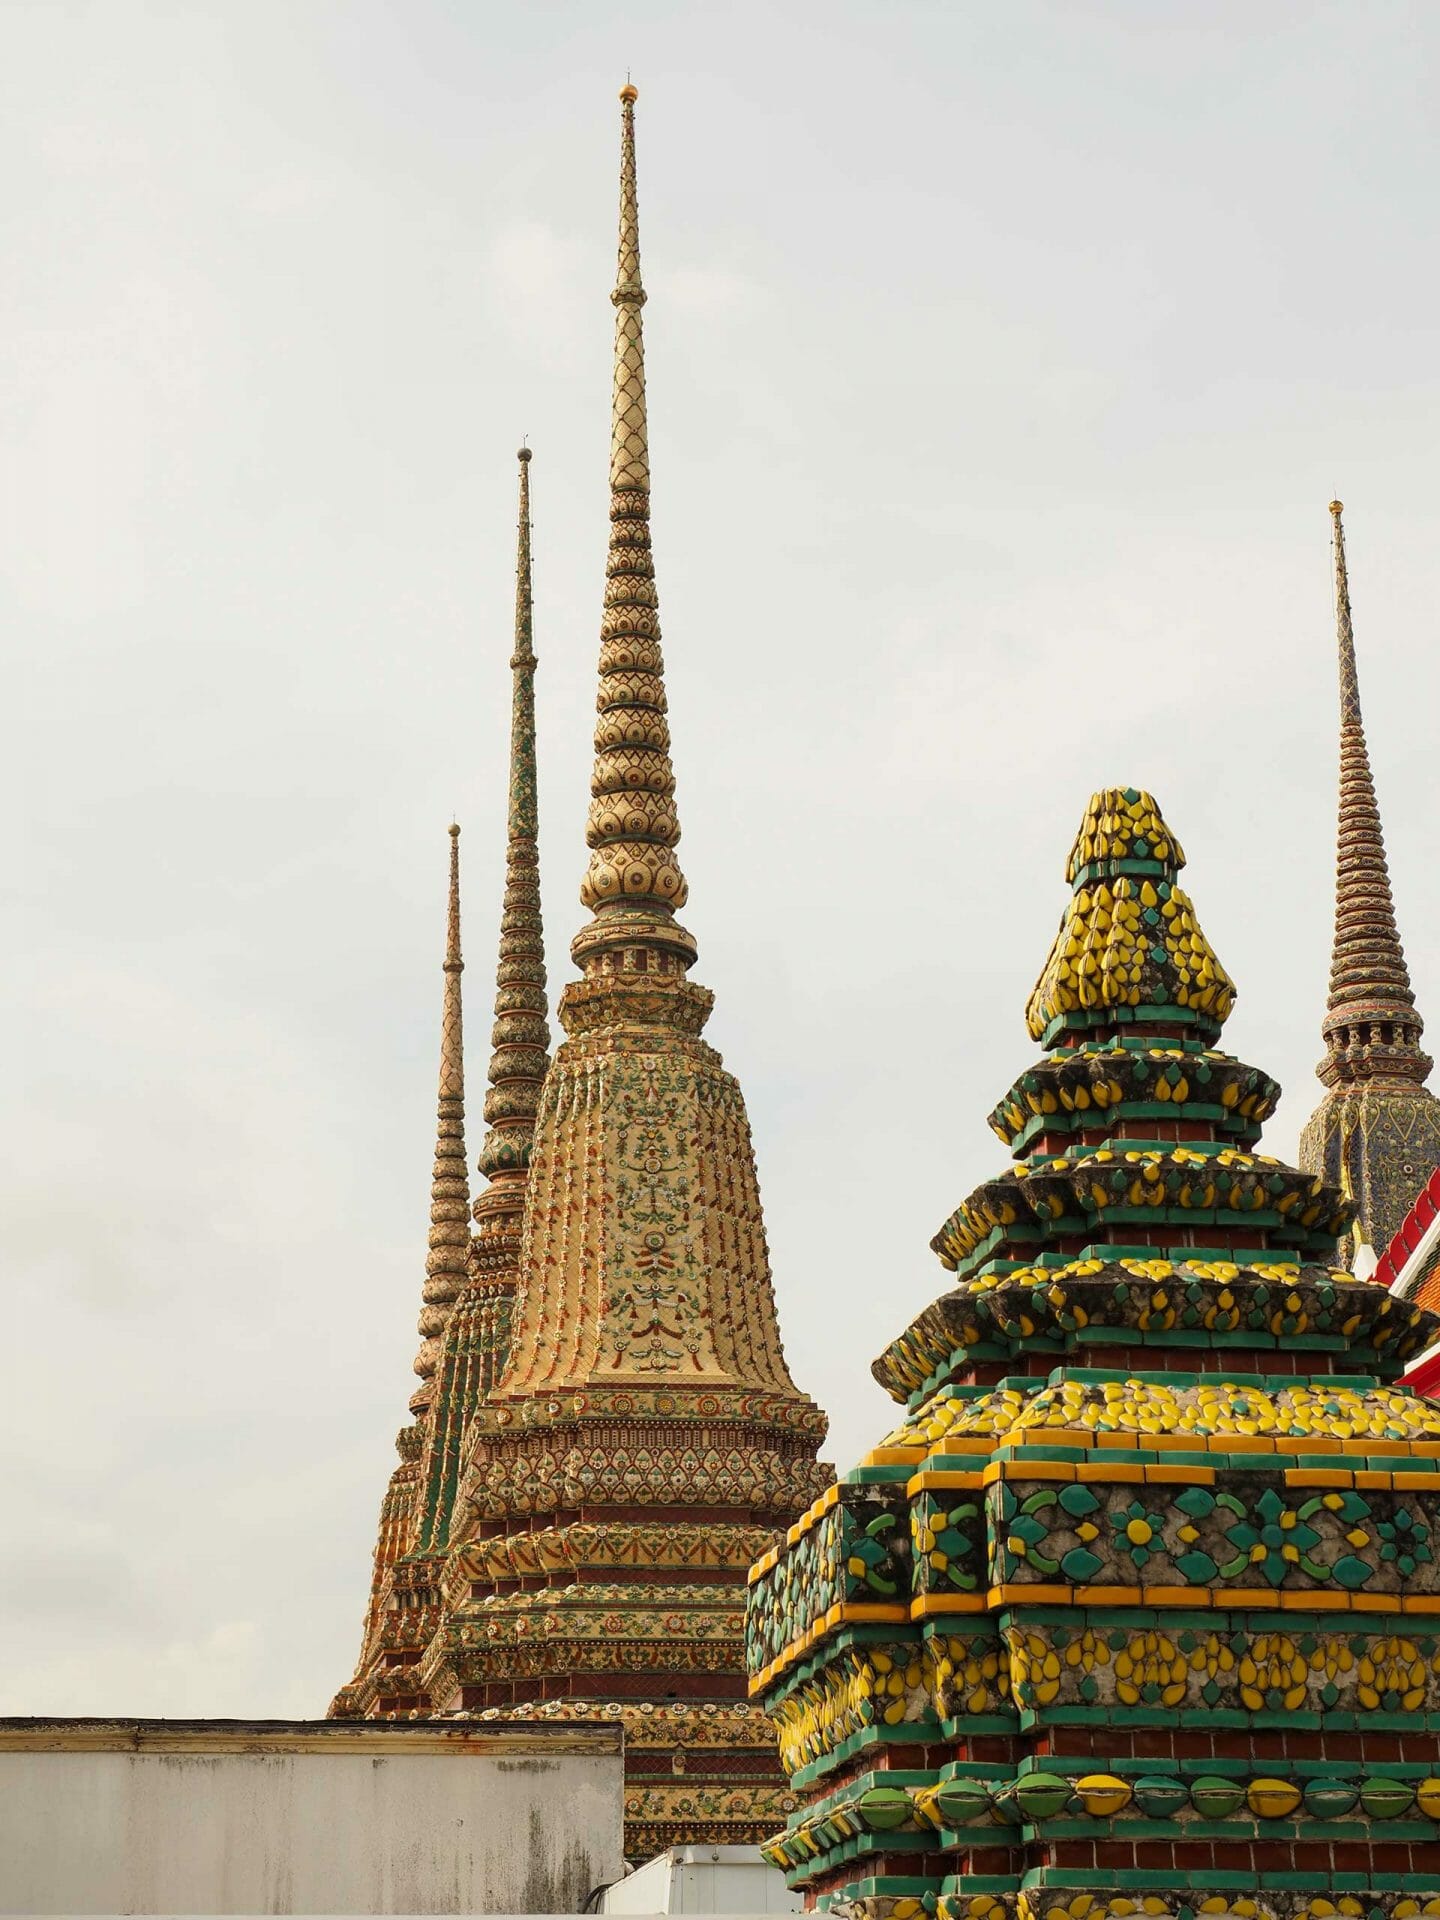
1372, 1030
449, 1185
521, 1035
633, 883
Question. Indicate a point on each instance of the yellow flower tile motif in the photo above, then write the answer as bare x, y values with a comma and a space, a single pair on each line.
968, 1674
1213, 1409
1151, 1660
1101, 1906
1035, 1669
1219, 1407
957, 1416
1394, 1665
864, 1688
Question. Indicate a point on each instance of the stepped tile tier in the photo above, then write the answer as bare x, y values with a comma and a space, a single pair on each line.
1377, 1131
1136, 1611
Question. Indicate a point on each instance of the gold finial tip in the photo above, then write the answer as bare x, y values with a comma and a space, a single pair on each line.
1337, 507
522, 453
629, 94
454, 829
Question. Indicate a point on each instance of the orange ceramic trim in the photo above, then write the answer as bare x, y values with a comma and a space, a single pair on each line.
1036, 1596
944, 1477
929, 1604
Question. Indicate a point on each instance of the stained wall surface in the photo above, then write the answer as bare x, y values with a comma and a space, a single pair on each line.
150, 1817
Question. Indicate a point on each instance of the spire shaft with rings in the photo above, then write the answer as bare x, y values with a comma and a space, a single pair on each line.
521, 1034
633, 883
1371, 1026
449, 1185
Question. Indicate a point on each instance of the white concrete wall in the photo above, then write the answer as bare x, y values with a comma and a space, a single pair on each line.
710, 1880
333, 1829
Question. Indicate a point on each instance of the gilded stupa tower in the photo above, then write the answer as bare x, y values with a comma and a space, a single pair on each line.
470, 1283
520, 1038
1377, 1131
645, 1441
398, 1616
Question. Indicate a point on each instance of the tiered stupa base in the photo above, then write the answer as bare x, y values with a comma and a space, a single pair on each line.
637, 1613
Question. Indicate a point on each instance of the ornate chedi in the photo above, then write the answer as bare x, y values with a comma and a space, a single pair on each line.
645, 1441
1377, 1131
470, 1282
478, 1337
1137, 1611
402, 1611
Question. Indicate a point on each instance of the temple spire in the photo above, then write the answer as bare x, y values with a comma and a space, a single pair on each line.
633, 883
449, 1184
1376, 1133
1372, 1030
644, 1439
521, 1035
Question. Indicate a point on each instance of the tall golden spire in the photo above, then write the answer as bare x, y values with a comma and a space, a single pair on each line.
1372, 1029
449, 1184
521, 1034
645, 1434
470, 1282
478, 1336
1376, 1133
401, 1511
633, 883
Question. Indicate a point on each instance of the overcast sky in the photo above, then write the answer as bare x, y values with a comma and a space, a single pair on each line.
1002, 362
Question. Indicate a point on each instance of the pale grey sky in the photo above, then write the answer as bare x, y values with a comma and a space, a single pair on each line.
1002, 363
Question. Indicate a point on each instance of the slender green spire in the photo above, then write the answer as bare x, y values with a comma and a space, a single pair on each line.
449, 1185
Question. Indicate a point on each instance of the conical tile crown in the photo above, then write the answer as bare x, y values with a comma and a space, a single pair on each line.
1129, 950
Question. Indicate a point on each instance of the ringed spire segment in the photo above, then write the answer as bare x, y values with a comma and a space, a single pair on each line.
633, 883
1371, 1027
449, 1184
520, 1038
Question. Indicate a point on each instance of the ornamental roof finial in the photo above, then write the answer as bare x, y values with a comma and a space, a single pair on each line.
1371, 1028
633, 883
521, 1035
449, 1185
